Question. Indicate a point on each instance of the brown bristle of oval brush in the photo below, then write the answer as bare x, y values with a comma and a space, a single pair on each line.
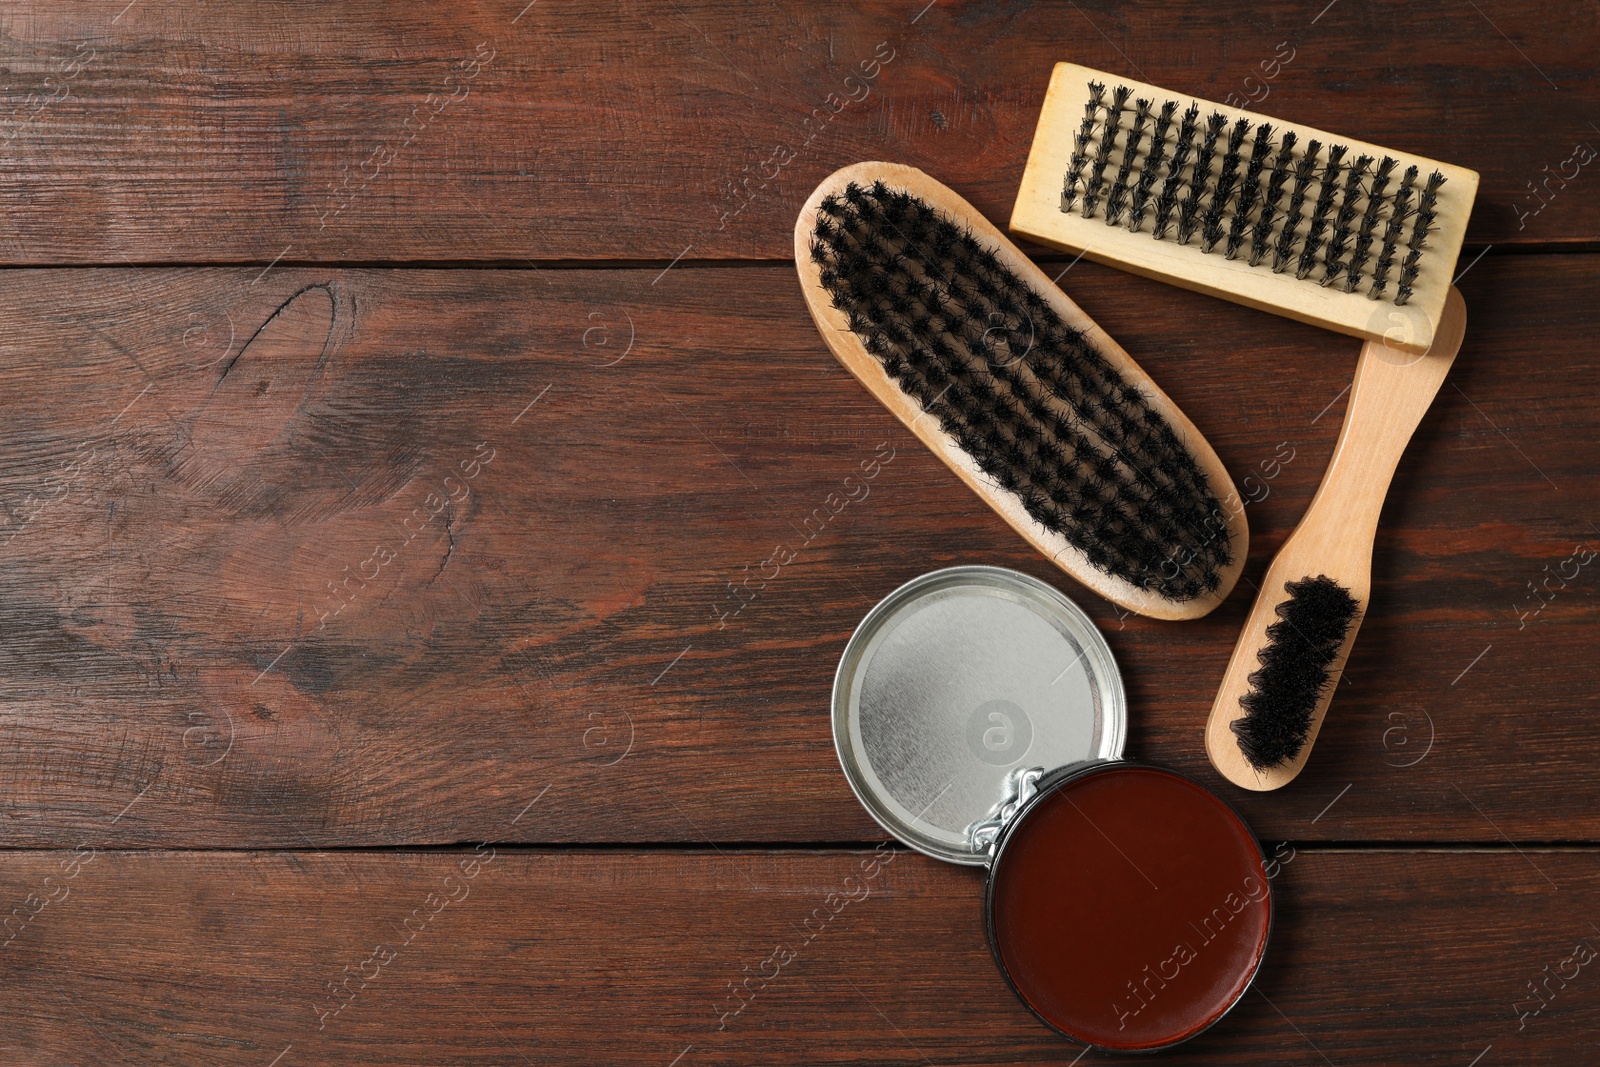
1040, 411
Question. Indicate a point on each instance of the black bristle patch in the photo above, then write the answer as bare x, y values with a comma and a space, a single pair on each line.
1080, 147
1408, 275
1167, 201
1344, 220
1289, 237
1127, 167
1152, 166
1321, 211
1399, 213
1189, 216
1040, 410
1376, 199
1427, 208
1312, 627
1217, 211
1250, 191
1095, 186
1117, 199
1261, 233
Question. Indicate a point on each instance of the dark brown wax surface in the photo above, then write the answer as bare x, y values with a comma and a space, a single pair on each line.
1130, 907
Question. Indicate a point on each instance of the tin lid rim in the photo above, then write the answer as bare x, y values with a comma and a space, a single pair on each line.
1114, 705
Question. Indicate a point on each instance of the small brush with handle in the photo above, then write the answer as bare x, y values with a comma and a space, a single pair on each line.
1299, 633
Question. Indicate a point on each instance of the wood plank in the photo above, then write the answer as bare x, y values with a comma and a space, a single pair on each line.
629, 957
229, 132
614, 456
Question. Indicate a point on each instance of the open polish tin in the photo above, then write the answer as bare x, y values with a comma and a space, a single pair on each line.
980, 717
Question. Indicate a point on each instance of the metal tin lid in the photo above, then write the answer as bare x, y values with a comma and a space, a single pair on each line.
958, 684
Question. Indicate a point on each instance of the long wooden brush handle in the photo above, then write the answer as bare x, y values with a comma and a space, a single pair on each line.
1391, 392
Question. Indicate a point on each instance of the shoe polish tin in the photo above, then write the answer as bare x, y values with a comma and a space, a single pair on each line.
979, 716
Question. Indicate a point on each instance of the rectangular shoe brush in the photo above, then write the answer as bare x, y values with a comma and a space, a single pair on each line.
1274, 215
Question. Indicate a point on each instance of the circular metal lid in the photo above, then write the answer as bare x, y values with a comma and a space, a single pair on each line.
956, 684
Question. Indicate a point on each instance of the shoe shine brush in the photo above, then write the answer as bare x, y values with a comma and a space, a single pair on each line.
1291, 220
1030, 403
1299, 634
1288, 219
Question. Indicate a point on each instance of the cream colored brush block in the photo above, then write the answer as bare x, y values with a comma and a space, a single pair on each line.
1411, 325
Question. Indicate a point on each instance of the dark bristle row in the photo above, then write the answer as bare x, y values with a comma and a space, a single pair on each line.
1261, 232
1250, 190
1295, 670
1168, 200
1112, 123
1369, 222
1189, 217
1146, 184
1321, 211
1217, 211
1386, 256
1038, 408
1344, 218
1197, 177
1080, 146
1304, 169
1117, 199
1427, 207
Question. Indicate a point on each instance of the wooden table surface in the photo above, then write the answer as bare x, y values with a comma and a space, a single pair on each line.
401, 401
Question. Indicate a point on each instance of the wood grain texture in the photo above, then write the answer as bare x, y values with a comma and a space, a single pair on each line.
294, 556
628, 958
638, 601
362, 131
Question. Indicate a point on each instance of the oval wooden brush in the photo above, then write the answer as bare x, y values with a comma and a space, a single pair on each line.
1299, 634
1007, 381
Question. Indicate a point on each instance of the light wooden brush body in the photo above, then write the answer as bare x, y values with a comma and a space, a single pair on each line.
848, 349
1038, 216
1391, 392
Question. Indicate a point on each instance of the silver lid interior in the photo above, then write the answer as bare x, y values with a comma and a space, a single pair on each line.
958, 679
